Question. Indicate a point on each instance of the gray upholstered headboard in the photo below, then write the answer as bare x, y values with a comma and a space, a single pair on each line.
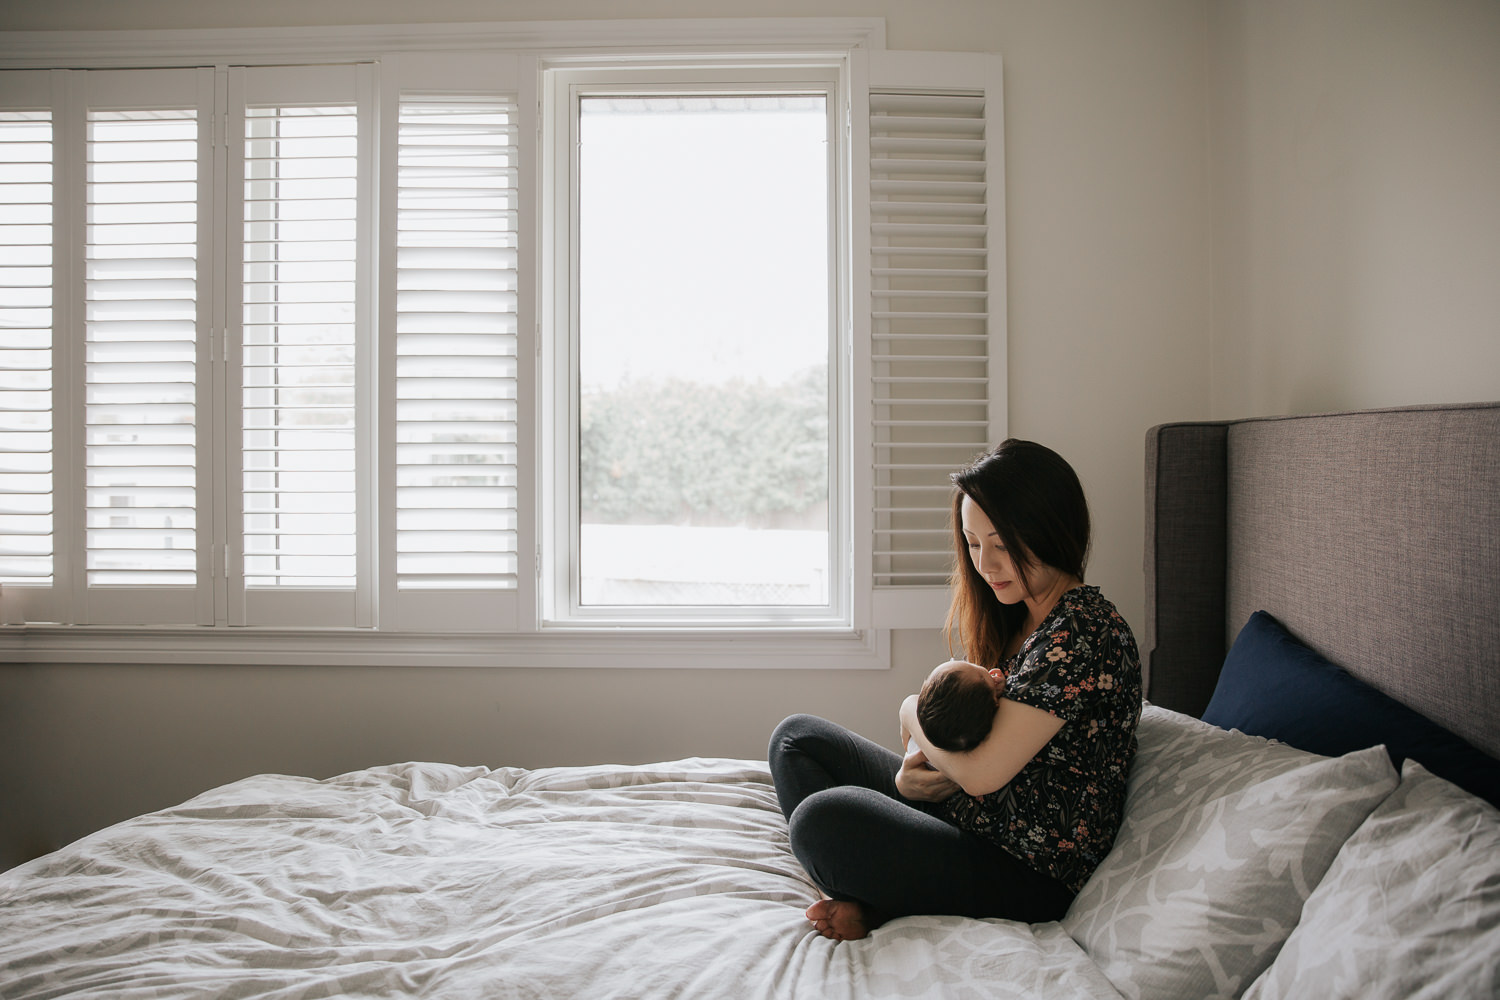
1374, 536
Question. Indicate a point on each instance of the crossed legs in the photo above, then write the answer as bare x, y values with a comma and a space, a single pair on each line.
884, 855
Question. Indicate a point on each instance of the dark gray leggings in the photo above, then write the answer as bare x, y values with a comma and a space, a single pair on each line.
861, 840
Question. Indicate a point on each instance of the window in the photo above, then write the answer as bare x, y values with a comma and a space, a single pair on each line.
702, 290
477, 355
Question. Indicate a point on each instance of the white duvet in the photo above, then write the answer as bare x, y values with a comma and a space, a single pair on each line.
433, 880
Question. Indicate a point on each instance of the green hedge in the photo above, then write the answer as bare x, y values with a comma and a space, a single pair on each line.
680, 452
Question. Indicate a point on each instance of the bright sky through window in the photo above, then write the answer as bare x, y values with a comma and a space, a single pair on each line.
704, 236
704, 338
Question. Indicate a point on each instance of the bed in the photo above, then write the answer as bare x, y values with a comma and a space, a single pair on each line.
1298, 570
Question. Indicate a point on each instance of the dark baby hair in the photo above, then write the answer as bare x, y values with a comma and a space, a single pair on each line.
955, 711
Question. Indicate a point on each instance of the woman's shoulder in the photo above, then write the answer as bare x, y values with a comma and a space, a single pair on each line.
1084, 614
1088, 602
1083, 657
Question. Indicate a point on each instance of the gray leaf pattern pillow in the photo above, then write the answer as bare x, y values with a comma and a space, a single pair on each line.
1225, 836
1409, 909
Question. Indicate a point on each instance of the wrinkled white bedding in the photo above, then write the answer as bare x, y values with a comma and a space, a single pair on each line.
663, 880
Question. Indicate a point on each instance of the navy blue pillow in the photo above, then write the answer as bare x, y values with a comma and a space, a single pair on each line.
1274, 686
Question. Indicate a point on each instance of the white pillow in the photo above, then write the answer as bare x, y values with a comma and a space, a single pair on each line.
1224, 837
1410, 907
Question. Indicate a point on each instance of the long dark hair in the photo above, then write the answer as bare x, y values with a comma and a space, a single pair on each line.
1036, 503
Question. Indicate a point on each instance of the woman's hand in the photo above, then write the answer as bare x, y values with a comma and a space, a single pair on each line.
919, 782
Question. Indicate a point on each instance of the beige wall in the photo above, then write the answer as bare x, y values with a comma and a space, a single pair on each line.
1214, 209
1356, 204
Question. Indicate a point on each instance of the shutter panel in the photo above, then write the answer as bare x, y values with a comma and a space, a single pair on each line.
298, 346
456, 332
142, 297
26, 445
937, 310
140, 302
301, 345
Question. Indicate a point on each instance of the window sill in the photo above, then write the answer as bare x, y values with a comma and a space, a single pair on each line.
721, 648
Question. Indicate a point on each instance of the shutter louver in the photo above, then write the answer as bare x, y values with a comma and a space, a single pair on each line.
298, 347
930, 246
26, 446
140, 348
456, 301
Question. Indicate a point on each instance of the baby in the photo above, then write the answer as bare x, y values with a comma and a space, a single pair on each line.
957, 703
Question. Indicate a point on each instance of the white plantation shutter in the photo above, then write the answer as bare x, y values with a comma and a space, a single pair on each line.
456, 335
140, 335
100, 243
301, 345
26, 443
145, 184
209, 417
937, 310
298, 346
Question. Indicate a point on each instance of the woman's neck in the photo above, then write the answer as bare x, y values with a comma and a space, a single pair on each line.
1039, 606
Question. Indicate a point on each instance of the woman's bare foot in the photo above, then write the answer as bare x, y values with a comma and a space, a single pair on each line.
840, 919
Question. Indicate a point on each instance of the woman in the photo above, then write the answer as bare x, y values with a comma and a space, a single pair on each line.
1014, 826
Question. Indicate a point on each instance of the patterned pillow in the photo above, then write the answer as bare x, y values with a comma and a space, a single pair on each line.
1224, 837
1410, 907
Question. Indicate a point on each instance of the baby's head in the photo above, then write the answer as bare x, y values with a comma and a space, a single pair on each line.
956, 706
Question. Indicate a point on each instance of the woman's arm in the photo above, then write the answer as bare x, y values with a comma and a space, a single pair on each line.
1018, 734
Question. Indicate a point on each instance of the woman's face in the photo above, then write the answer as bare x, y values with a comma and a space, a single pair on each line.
988, 554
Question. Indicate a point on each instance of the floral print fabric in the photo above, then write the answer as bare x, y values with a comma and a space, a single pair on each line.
1061, 813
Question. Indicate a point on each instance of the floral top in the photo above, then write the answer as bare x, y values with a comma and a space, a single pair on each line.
1060, 814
